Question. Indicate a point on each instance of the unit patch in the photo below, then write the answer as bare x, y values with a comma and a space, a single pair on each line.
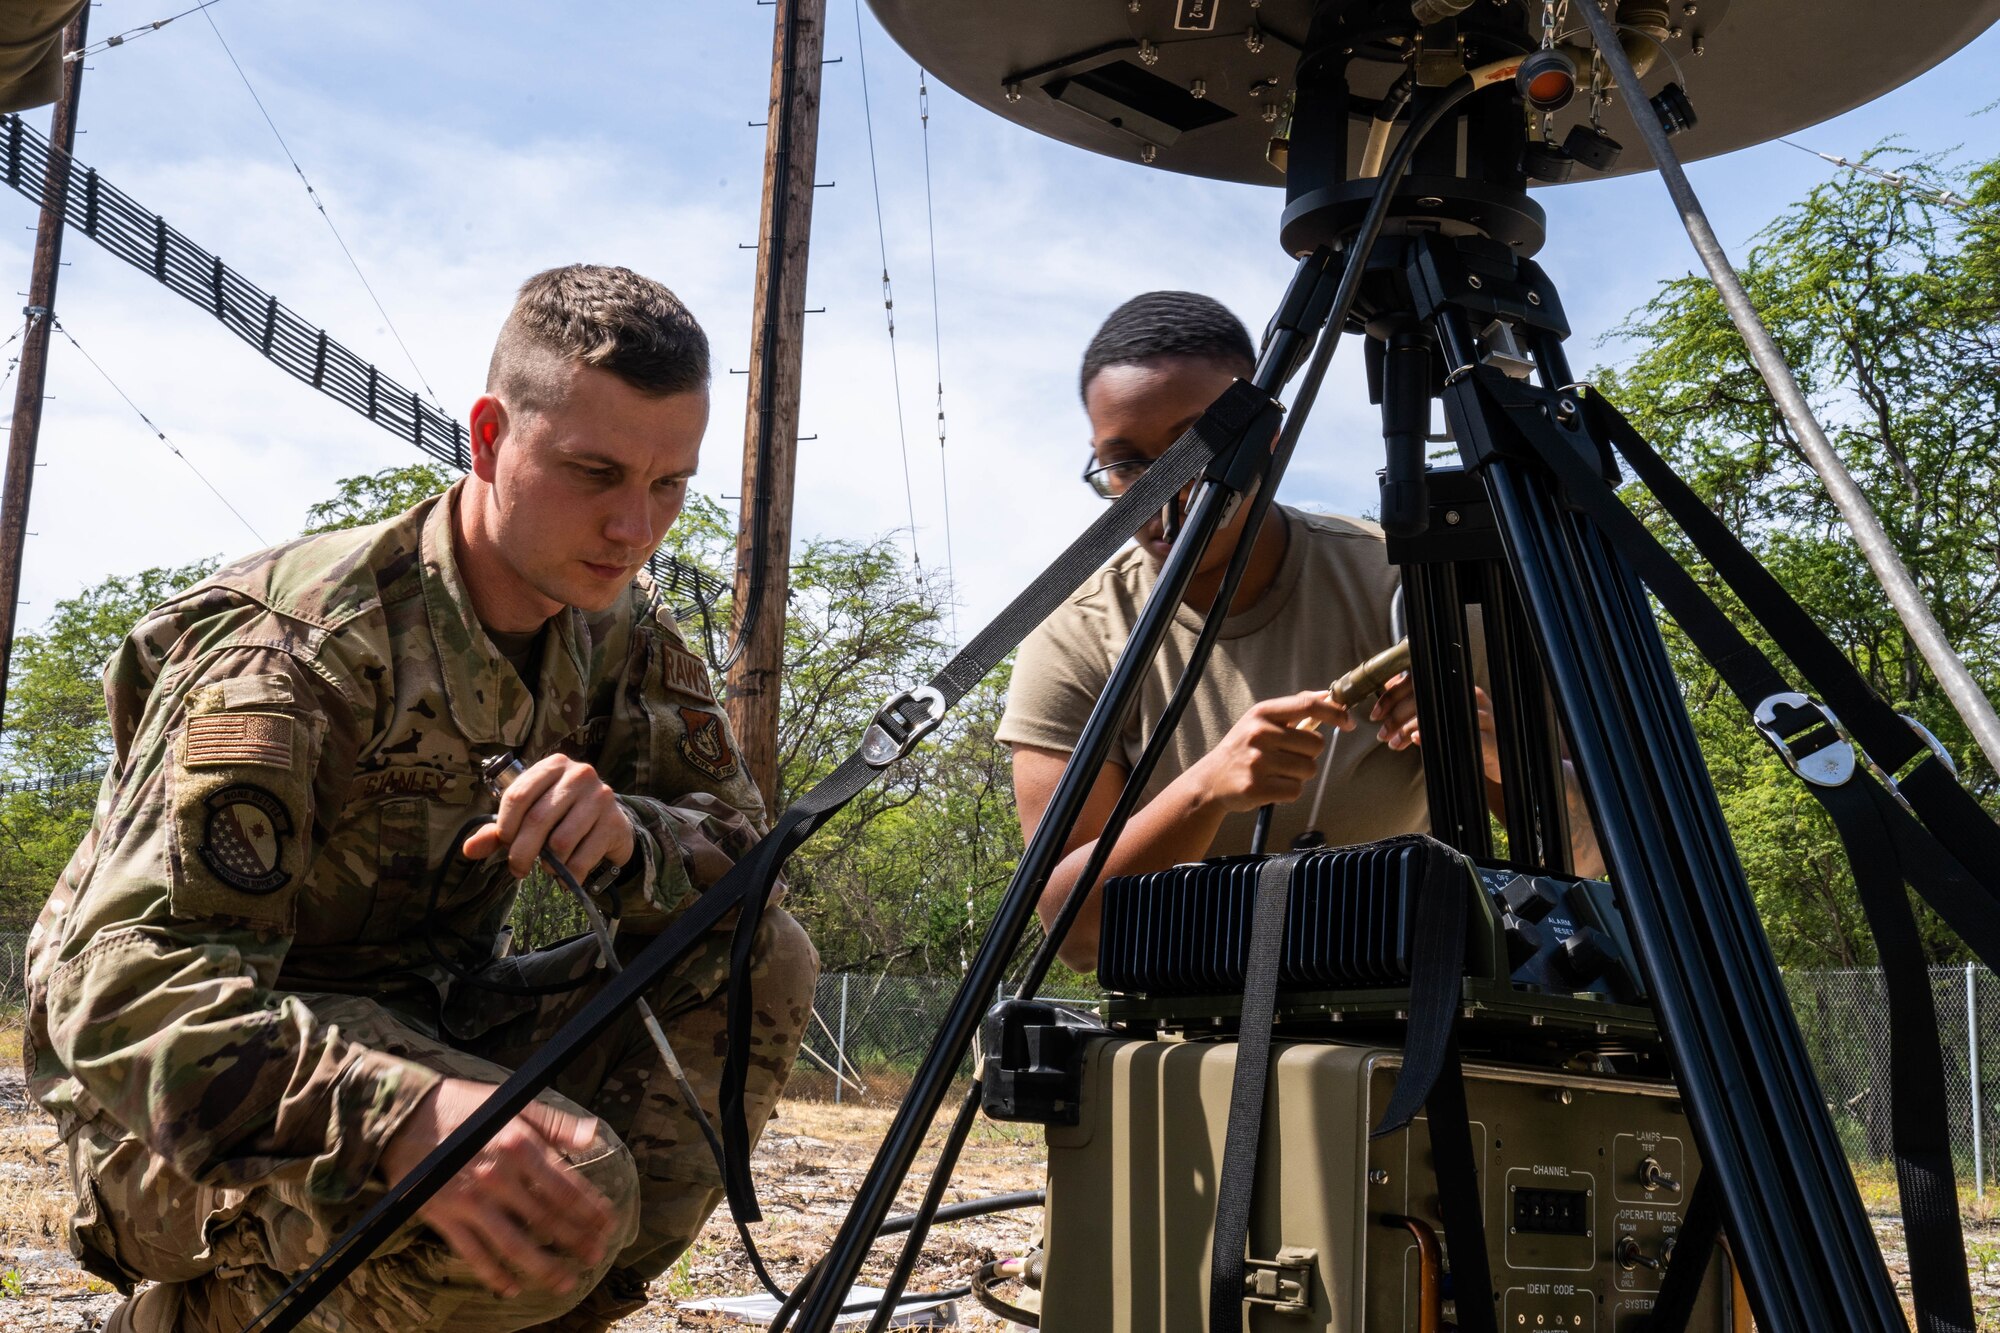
684, 673
221, 740
243, 839
705, 744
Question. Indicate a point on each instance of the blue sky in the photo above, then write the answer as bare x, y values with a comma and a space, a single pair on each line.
461, 146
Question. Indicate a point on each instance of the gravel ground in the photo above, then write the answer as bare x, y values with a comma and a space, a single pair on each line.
809, 1165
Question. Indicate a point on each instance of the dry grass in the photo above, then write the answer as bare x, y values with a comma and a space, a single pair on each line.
809, 1165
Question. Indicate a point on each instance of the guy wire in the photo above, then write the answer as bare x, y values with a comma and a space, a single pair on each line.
1936, 194
172, 448
120, 38
888, 296
326, 217
937, 345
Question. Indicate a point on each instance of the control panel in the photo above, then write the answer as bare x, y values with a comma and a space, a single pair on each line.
1564, 935
1584, 1181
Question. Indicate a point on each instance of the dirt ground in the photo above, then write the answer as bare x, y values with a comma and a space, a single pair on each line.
809, 1165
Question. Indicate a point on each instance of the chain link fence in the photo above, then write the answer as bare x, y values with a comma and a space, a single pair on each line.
1844, 1016
13, 972
874, 1030
868, 1034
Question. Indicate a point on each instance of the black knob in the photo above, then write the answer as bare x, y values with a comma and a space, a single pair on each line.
1524, 939
1586, 955
1531, 897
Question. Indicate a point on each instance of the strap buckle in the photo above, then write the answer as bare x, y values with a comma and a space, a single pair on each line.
901, 721
1808, 737
1933, 748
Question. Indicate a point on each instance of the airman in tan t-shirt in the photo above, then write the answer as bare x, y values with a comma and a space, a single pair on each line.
1313, 603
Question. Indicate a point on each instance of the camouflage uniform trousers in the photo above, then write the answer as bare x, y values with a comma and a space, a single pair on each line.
221, 1255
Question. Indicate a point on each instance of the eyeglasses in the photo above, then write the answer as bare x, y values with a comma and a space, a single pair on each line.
1111, 480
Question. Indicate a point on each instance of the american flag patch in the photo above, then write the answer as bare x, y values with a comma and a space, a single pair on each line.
219, 740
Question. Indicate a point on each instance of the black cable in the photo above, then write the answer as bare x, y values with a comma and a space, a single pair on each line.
920, 1221
469, 977
951, 1212
971, 1208
983, 1279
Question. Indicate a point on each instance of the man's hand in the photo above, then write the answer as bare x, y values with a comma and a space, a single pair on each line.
560, 804
518, 1214
1396, 710
1266, 759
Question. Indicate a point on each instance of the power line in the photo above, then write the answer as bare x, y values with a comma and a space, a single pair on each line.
108, 216
120, 39
937, 342
313, 195
888, 295
172, 448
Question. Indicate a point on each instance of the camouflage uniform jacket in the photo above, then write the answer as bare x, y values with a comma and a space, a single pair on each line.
297, 750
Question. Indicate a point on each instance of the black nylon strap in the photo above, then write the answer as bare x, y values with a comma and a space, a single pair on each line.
1238, 1180
1694, 1249
1919, 1129
1968, 900
1433, 1076
748, 884
1934, 792
1874, 831
1459, 1203
1437, 966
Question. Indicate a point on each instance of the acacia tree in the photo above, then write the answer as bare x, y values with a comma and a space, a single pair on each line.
1887, 304
907, 873
56, 736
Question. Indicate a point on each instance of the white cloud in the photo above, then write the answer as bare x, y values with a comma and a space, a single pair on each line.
460, 147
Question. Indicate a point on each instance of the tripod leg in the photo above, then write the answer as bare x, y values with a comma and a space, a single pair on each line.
1736, 1053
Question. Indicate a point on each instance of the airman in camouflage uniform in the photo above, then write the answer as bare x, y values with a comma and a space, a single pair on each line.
239, 990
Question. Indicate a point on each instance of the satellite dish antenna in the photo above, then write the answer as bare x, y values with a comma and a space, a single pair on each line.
1215, 87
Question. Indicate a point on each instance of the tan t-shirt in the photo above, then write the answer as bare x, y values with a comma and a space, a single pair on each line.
1326, 612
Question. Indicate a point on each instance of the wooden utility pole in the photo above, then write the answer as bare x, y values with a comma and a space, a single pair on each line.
34, 365
771, 426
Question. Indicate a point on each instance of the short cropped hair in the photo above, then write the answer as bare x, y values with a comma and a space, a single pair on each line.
1163, 324
595, 315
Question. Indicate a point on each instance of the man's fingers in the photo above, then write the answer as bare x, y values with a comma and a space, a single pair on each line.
465, 1242
1399, 690
600, 846
569, 833
484, 841
560, 1129
1291, 709
526, 790
522, 1253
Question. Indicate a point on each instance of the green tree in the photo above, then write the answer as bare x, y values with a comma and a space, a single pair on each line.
1887, 304
380, 495
56, 736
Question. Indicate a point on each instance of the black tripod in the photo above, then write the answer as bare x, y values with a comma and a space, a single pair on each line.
1466, 318
1454, 309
